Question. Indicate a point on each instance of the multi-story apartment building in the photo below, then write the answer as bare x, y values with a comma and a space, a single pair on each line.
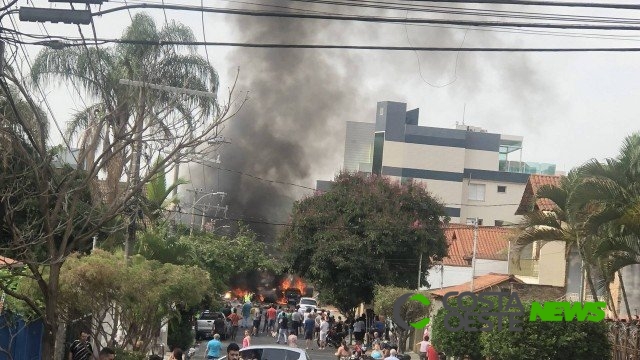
472, 171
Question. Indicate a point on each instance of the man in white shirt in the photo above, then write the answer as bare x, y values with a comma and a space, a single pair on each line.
392, 355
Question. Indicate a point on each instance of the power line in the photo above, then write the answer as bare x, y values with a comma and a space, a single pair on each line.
538, 3
371, 18
329, 46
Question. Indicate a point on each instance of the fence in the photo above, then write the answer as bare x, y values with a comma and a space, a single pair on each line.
19, 340
625, 340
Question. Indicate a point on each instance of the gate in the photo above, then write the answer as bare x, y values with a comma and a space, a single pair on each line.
19, 340
625, 340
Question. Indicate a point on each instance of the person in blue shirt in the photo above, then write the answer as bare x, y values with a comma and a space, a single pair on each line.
246, 313
214, 347
309, 327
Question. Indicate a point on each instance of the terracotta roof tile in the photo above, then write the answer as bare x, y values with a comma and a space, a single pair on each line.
493, 244
482, 282
8, 262
536, 182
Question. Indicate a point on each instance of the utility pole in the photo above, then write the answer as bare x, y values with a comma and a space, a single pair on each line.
196, 201
475, 249
419, 271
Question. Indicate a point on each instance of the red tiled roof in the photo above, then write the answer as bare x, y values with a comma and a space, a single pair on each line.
493, 243
481, 283
8, 262
536, 182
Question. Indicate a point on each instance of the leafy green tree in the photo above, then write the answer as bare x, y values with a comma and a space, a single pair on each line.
412, 311
221, 256
570, 340
138, 297
365, 231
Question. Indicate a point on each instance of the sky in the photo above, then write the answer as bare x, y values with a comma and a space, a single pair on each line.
569, 107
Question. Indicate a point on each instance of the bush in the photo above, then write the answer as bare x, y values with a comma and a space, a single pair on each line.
180, 333
459, 343
129, 355
567, 340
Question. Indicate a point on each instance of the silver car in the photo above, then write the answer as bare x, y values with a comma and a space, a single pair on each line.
272, 352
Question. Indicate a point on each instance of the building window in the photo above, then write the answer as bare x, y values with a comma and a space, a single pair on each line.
381, 111
502, 189
476, 192
472, 221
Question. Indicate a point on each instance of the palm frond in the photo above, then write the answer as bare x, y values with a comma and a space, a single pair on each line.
72, 64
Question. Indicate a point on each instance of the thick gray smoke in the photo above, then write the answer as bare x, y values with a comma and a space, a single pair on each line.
292, 128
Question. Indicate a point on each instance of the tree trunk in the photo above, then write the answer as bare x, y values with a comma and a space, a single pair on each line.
590, 281
51, 320
134, 178
624, 295
402, 340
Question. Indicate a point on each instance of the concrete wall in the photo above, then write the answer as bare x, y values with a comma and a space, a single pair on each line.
456, 275
552, 264
631, 279
493, 207
481, 159
358, 145
573, 279
420, 156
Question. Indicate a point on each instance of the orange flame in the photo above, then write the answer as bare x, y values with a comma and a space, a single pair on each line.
287, 283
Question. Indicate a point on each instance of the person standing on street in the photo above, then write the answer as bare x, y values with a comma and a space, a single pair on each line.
309, 327
296, 321
246, 342
257, 318
214, 347
81, 349
283, 325
234, 318
246, 314
271, 320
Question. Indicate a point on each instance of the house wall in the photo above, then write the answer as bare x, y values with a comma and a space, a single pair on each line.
456, 275
573, 279
631, 279
552, 264
493, 207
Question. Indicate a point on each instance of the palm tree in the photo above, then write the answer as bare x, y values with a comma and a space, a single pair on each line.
560, 224
157, 198
610, 197
121, 111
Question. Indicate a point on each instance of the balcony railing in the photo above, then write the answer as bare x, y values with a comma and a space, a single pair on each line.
528, 267
575, 297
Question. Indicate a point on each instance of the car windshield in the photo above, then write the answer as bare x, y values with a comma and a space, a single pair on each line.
208, 316
308, 302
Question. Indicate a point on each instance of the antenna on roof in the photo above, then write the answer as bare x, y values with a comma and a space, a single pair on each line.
464, 111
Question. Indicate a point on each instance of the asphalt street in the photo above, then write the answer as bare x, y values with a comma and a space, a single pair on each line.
263, 339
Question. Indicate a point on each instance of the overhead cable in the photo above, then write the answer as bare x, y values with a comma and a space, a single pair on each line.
374, 19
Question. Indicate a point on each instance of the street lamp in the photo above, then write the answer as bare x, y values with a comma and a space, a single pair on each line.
193, 207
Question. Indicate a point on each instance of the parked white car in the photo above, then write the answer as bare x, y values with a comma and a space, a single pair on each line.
307, 303
271, 352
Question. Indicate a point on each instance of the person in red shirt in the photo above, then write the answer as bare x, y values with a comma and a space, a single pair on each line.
432, 353
271, 318
234, 318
